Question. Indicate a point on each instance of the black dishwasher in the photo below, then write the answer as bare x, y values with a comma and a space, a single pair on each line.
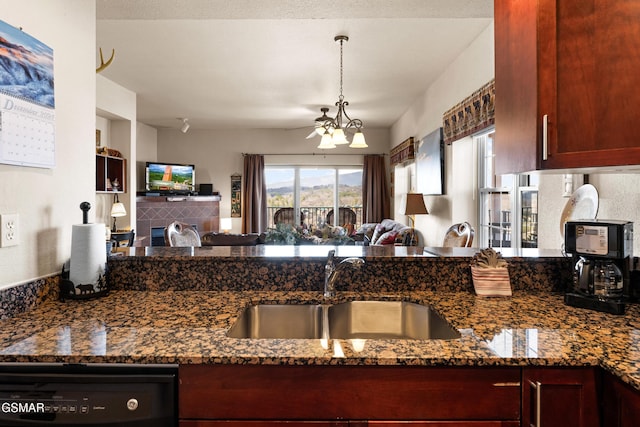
88, 395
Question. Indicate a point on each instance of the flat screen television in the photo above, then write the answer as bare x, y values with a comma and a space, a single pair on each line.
170, 178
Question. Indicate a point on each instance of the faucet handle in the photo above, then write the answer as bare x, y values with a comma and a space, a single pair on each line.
330, 255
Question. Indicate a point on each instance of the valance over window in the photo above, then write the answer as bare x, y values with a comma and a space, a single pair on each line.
470, 116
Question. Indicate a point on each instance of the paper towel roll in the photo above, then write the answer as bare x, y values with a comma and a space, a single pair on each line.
88, 254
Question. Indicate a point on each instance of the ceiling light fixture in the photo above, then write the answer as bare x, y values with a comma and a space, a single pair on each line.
185, 126
333, 130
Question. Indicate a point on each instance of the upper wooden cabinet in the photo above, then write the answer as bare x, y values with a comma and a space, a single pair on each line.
567, 84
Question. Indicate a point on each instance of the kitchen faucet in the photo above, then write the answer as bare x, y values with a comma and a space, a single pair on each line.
331, 271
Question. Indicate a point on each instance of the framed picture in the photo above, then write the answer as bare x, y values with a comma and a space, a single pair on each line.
430, 163
236, 196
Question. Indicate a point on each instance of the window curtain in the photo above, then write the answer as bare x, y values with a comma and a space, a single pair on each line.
376, 204
254, 196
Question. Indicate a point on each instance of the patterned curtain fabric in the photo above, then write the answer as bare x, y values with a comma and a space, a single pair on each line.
254, 196
376, 204
403, 152
473, 114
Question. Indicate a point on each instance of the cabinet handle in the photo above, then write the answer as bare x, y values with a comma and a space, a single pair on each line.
537, 387
545, 136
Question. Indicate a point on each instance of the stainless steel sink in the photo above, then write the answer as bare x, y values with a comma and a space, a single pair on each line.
387, 319
355, 319
279, 321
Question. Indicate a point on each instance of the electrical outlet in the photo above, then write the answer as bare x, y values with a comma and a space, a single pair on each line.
8, 230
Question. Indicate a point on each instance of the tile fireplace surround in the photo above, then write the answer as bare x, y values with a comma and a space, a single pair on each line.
157, 212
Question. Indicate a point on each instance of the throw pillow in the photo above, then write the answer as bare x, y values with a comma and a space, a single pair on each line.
387, 238
377, 232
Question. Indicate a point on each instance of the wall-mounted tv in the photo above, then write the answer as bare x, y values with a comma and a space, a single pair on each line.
170, 178
430, 163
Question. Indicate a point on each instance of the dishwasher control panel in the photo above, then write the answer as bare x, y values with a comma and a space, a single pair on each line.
53, 402
136, 398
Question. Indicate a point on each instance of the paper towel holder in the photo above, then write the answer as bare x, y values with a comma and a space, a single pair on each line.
71, 290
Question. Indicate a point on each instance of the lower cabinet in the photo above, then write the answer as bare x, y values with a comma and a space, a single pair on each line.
263, 395
621, 403
349, 423
563, 397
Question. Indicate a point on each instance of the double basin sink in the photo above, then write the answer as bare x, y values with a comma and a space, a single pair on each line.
349, 320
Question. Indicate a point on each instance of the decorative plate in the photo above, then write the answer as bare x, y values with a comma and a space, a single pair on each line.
583, 204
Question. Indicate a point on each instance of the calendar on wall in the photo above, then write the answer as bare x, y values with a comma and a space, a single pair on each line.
27, 102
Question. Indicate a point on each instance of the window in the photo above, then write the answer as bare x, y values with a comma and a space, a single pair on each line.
309, 196
508, 204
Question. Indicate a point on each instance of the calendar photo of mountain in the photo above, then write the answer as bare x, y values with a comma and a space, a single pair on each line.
26, 67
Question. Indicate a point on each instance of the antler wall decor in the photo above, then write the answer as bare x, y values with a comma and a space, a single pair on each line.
103, 64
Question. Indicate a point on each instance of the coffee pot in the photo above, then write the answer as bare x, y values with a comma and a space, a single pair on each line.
602, 253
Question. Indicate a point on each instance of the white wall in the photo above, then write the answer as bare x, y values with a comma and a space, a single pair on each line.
48, 200
471, 70
116, 117
218, 154
619, 198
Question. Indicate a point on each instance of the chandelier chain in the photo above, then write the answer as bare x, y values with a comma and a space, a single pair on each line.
341, 43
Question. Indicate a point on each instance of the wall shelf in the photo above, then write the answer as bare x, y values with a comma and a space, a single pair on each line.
109, 169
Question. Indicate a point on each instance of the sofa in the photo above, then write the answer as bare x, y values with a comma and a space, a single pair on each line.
223, 239
386, 232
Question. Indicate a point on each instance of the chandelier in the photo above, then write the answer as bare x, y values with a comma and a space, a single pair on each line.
333, 130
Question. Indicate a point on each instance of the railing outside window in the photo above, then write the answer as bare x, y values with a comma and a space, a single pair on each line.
308, 195
314, 216
508, 204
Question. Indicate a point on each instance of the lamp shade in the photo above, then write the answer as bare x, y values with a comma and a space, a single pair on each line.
225, 224
338, 137
326, 142
117, 209
415, 204
358, 140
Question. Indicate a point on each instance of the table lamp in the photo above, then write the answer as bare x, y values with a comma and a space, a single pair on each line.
225, 225
414, 206
117, 210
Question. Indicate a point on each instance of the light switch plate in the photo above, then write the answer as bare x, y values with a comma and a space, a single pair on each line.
9, 230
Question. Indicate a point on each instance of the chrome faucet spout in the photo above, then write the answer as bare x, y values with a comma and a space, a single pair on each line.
331, 271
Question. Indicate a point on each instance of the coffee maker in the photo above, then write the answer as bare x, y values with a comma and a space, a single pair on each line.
602, 256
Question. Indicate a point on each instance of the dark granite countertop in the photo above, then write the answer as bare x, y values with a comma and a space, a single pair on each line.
189, 327
320, 251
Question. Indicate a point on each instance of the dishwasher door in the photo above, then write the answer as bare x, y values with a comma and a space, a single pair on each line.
87, 395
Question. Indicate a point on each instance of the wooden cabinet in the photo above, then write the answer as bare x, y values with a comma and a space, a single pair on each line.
354, 393
567, 84
109, 170
563, 397
621, 407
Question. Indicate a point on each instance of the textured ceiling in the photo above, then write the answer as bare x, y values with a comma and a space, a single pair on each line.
274, 64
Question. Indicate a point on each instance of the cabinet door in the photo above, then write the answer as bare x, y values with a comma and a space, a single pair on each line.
234, 423
443, 423
621, 406
563, 397
317, 392
567, 86
589, 82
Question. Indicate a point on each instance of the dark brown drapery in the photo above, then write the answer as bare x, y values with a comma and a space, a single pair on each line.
254, 196
376, 204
